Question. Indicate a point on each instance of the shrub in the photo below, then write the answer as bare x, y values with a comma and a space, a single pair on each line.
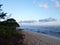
9, 35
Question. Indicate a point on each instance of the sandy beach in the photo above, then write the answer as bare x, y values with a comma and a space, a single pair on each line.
32, 38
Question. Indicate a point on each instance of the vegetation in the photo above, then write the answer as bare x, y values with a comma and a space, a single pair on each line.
8, 33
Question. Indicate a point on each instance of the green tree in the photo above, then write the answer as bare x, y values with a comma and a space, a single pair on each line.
8, 33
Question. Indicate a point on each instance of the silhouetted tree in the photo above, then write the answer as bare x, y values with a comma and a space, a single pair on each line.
0, 7
8, 33
11, 20
2, 14
12, 23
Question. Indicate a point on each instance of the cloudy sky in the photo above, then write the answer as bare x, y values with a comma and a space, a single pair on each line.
32, 9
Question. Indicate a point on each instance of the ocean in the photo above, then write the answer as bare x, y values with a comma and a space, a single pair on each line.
49, 30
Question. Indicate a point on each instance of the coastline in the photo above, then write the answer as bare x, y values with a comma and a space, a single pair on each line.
32, 38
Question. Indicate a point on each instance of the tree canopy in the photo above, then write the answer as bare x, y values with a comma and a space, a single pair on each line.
2, 14
8, 33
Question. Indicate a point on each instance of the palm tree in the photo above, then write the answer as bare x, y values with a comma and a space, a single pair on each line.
0, 7
2, 14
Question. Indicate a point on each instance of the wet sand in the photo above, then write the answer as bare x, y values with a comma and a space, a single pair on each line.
32, 38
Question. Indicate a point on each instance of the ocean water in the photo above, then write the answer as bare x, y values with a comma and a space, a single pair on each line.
49, 30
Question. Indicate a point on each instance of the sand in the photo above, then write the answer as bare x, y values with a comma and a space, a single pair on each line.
32, 38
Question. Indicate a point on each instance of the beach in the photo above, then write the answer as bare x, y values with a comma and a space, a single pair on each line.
32, 38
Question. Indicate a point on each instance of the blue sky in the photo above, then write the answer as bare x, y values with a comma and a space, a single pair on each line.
32, 9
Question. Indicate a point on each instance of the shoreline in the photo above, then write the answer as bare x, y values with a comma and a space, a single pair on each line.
33, 38
50, 36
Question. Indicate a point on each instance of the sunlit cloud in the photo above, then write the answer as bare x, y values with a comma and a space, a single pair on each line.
43, 5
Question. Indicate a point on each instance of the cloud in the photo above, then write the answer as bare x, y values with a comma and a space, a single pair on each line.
34, 1
57, 4
54, 23
43, 5
54, 0
40, 5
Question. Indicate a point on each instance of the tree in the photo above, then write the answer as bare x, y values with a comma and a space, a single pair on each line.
2, 14
8, 33
12, 23
0, 7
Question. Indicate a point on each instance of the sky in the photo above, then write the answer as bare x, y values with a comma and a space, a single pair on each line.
31, 9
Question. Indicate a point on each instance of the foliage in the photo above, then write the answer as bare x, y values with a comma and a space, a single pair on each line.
8, 36
8, 33
2, 15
